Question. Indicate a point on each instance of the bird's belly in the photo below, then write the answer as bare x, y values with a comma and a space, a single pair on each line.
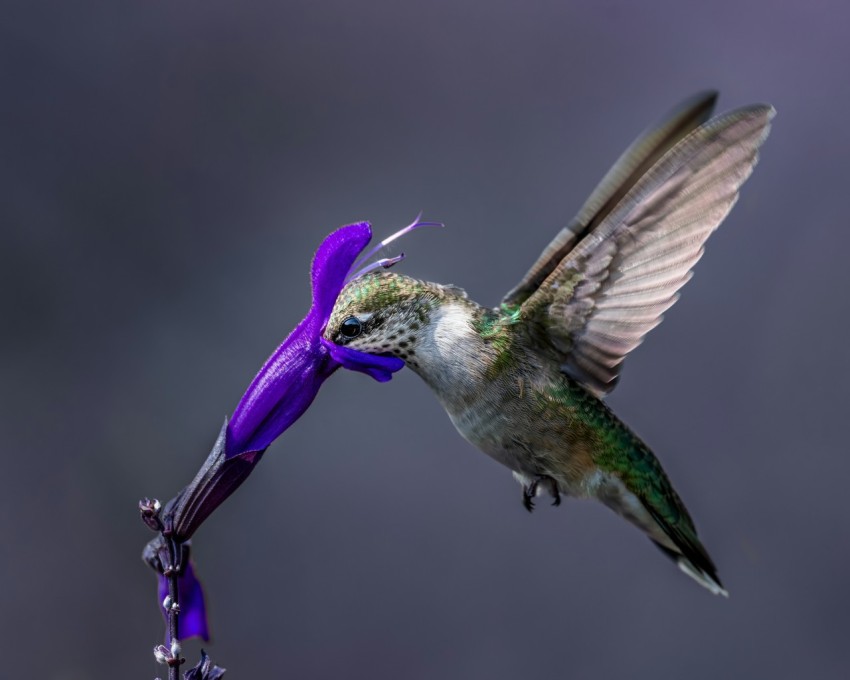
529, 442
496, 430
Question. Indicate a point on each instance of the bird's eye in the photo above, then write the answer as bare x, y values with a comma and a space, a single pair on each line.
351, 327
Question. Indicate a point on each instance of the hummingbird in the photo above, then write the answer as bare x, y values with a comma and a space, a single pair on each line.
525, 381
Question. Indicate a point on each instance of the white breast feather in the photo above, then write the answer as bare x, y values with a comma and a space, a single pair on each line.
451, 347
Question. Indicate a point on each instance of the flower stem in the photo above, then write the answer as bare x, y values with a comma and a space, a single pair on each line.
174, 611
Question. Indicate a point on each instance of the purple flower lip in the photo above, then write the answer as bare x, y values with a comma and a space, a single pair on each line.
380, 367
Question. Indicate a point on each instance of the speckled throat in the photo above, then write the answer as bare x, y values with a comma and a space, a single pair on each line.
427, 324
470, 356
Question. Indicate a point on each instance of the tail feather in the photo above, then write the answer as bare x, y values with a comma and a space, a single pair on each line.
707, 579
667, 523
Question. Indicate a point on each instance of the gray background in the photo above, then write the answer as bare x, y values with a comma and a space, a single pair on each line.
168, 169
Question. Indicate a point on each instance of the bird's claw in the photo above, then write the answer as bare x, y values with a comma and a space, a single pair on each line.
529, 491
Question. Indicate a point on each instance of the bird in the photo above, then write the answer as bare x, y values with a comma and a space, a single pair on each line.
526, 381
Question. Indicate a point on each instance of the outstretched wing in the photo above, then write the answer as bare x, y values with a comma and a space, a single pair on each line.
628, 169
611, 287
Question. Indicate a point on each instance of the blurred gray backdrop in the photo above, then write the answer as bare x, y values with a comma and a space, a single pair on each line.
169, 167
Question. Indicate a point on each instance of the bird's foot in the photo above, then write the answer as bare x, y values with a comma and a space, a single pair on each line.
530, 489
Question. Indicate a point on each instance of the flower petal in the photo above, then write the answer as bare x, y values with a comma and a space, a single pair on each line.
332, 264
381, 368
291, 377
193, 611
283, 389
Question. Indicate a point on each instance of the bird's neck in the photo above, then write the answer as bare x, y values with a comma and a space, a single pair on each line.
453, 356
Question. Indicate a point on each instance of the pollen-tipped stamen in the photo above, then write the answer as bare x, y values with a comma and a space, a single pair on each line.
384, 263
358, 266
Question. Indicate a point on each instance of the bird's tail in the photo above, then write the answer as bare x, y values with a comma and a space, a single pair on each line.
678, 540
672, 531
707, 578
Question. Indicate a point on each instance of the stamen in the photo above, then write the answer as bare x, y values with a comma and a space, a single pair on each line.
384, 263
358, 265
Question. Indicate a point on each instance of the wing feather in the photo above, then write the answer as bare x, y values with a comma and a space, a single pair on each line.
629, 168
610, 288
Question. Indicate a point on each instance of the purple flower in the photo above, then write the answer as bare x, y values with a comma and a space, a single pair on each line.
193, 611
290, 379
282, 390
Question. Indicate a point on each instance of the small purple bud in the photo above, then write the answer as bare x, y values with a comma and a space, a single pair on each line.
149, 510
204, 670
192, 608
190, 605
